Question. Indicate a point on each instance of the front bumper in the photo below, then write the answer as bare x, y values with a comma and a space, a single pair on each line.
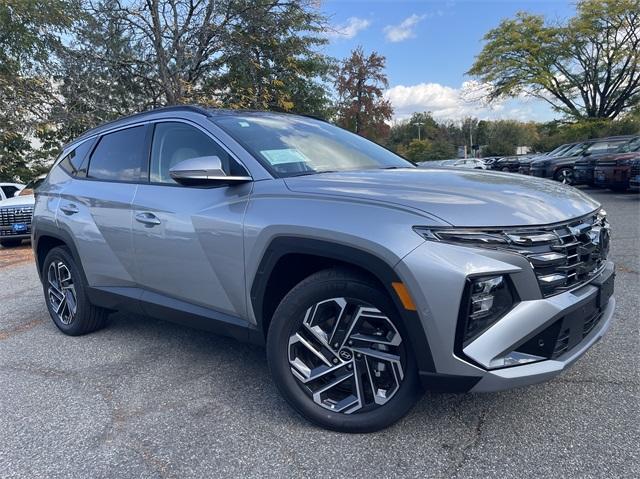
539, 172
436, 275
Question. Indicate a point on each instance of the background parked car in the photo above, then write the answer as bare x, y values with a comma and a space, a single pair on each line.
510, 163
634, 181
525, 164
16, 214
473, 163
8, 190
560, 168
614, 171
584, 168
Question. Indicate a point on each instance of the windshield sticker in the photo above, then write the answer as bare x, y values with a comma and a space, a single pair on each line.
286, 155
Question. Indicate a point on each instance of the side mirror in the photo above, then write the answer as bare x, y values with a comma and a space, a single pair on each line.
586, 153
203, 170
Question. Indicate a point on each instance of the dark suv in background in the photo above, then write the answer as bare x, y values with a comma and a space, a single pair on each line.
584, 168
614, 171
560, 168
524, 167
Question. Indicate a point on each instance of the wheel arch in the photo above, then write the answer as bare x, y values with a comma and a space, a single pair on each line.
288, 260
45, 239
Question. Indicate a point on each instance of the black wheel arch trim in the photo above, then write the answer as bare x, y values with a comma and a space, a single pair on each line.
60, 235
381, 270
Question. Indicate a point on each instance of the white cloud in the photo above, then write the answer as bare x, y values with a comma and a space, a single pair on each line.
350, 28
403, 31
449, 103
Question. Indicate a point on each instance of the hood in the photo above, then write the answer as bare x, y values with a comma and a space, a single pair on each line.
27, 200
619, 156
459, 197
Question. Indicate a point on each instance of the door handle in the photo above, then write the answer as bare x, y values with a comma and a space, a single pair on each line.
69, 209
148, 219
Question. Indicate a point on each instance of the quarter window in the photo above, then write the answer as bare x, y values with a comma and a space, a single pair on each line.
119, 155
174, 142
73, 161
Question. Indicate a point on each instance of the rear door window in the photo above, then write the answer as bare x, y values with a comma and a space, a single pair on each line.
119, 156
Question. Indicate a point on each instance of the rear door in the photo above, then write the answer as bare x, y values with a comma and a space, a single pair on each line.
95, 207
188, 241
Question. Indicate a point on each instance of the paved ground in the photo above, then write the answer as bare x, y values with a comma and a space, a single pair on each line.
145, 398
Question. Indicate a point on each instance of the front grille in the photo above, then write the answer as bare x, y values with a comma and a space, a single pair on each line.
11, 216
635, 168
566, 255
524, 169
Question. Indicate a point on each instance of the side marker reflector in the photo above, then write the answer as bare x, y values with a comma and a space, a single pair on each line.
405, 297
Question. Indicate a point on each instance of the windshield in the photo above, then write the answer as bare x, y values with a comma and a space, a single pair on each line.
291, 145
576, 149
633, 145
559, 150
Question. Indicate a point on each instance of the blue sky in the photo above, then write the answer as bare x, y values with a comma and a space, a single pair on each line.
429, 45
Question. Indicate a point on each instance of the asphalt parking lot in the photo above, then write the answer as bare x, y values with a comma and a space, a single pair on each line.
145, 398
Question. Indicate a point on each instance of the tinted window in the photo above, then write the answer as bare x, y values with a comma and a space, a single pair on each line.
9, 191
605, 146
175, 142
119, 155
73, 161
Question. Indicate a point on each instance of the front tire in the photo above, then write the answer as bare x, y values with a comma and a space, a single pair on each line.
339, 354
65, 292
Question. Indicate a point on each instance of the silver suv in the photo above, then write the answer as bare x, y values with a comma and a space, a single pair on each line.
367, 279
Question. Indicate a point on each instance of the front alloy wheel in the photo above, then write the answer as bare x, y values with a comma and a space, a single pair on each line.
338, 353
346, 356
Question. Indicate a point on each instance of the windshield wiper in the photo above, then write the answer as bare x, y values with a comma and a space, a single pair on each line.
307, 173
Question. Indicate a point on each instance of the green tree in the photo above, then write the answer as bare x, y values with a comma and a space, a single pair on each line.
360, 81
30, 33
587, 67
272, 61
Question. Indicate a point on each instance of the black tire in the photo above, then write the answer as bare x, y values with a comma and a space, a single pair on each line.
288, 319
87, 317
565, 176
10, 243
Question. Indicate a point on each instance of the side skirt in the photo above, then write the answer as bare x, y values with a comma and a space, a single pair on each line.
148, 303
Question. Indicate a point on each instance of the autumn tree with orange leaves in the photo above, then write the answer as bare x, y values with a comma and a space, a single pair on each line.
360, 82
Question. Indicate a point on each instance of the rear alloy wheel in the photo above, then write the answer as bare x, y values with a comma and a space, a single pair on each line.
340, 359
565, 176
65, 292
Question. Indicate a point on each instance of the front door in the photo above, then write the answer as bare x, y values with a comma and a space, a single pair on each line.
188, 241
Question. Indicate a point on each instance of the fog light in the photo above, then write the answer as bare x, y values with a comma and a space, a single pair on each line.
489, 299
515, 358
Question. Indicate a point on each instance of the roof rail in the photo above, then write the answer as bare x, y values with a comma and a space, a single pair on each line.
104, 126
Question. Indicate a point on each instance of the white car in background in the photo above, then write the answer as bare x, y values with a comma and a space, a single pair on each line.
9, 190
472, 163
16, 213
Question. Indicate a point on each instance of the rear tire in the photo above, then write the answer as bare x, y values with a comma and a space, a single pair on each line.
65, 293
10, 243
340, 355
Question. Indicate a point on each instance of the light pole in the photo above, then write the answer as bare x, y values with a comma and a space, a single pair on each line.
418, 124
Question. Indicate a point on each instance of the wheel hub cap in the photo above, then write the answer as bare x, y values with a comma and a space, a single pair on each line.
347, 356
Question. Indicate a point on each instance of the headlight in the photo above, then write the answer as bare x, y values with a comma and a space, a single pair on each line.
461, 236
487, 300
